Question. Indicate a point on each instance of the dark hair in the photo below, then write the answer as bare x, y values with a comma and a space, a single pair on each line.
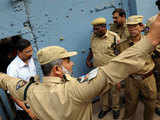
46, 68
22, 44
120, 11
8, 47
158, 4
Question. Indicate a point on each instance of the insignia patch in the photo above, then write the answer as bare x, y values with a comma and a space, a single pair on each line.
88, 77
20, 84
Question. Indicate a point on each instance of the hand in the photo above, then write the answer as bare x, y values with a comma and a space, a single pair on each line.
154, 33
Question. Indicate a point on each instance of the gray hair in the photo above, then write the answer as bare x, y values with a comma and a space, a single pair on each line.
46, 68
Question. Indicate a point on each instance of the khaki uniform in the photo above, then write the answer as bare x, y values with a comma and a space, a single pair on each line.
121, 31
59, 99
103, 52
136, 87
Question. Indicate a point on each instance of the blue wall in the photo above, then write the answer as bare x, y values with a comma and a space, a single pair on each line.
147, 8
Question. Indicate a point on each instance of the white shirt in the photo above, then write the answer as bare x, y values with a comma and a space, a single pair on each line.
17, 68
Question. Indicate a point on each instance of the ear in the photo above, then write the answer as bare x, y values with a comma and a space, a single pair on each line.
18, 52
57, 71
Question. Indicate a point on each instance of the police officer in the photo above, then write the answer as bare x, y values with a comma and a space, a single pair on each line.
119, 23
143, 85
62, 97
103, 49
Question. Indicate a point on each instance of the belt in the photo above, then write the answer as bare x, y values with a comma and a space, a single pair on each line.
141, 76
26, 89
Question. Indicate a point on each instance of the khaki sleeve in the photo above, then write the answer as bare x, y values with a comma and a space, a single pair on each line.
131, 61
86, 91
14, 85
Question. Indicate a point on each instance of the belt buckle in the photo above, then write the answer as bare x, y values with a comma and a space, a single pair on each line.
137, 77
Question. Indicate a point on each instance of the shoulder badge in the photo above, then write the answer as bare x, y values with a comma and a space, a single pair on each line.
20, 84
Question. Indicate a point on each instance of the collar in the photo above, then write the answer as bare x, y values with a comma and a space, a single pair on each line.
20, 62
58, 80
50, 79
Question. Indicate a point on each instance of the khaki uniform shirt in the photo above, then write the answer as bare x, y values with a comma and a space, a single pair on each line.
126, 44
102, 48
56, 99
121, 31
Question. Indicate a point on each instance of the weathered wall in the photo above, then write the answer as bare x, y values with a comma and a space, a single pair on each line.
147, 8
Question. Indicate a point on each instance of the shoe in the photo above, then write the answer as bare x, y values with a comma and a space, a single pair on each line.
103, 113
116, 114
157, 111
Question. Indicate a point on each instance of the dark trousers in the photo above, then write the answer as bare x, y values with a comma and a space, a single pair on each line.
22, 115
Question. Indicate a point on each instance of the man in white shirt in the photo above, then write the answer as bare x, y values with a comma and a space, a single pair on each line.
22, 67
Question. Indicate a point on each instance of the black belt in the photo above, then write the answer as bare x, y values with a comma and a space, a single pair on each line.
26, 89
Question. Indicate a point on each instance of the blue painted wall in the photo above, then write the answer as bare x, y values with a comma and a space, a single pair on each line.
147, 8
68, 24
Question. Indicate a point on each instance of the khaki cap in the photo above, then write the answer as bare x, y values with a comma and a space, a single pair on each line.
138, 17
52, 53
135, 19
98, 21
